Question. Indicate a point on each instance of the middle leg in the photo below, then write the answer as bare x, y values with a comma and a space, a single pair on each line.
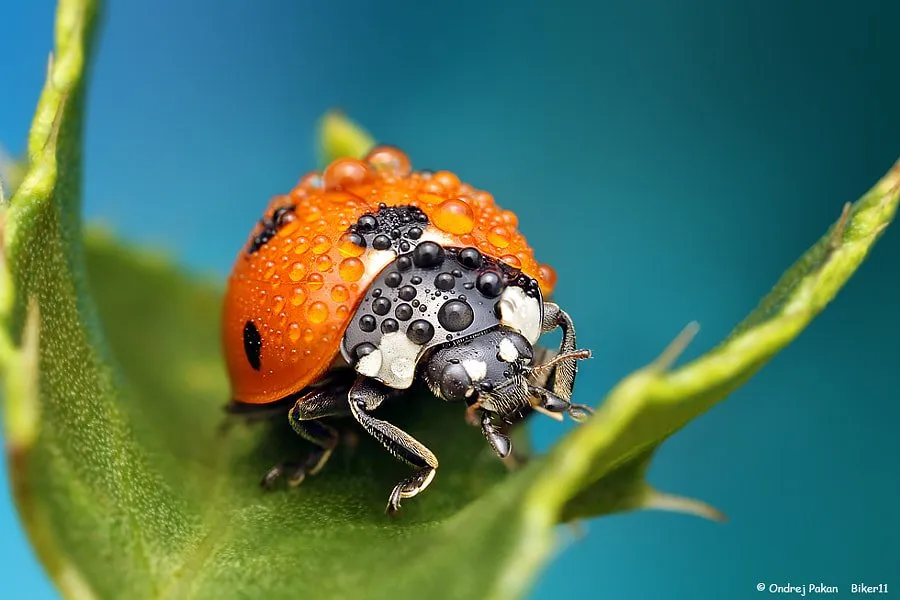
323, 401
496, 430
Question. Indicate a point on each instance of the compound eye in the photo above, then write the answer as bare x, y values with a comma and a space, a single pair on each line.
455, 382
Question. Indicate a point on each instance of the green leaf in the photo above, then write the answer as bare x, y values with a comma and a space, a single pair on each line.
339, 137
128, 485
11, 173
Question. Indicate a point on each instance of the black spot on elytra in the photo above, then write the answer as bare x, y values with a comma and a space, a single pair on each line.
270, 228
252, 344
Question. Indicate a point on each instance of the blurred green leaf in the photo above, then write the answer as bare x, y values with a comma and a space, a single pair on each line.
339, 136
128, 487
12, 171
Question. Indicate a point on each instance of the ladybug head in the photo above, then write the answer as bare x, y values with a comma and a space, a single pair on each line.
493, 369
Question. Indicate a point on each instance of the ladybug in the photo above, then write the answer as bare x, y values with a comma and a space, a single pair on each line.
368, 278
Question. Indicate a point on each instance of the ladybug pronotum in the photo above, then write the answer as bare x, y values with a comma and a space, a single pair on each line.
370, 277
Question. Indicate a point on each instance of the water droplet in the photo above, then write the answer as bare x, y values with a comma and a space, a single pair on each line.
290, 226
315, 281
339, 293
277, 303
311, 181
348, 246
389, 160
499, 237
324, 263
447, 180
293, 332
430, 198
317, 312
346, 173
454, 216
511, 260
298, 296
313, 213
321, 244
547, 274
298, 271
351, 269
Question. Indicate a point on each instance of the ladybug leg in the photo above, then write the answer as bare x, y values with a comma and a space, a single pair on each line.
326, 401
554, 404
566, 369
276, 472
365, 396
497, 435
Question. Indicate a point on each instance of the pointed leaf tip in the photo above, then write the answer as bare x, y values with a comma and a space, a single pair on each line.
657, 500
602, 465
676, 347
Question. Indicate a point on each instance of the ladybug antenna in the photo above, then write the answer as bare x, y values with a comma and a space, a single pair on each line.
574, 354
552, 404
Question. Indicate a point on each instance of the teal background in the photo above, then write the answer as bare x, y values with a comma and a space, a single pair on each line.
671, 159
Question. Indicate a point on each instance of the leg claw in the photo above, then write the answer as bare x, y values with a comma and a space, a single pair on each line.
580, 412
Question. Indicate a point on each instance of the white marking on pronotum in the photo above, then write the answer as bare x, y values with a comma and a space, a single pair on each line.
398, 365
521, 312
475, 368
507, 351
370, 364
403, 368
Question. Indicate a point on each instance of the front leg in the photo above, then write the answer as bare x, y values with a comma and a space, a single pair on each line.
554, 404
365, 396
565, 369
498, 437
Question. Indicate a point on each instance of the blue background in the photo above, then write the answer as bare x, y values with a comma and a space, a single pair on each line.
690, 152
